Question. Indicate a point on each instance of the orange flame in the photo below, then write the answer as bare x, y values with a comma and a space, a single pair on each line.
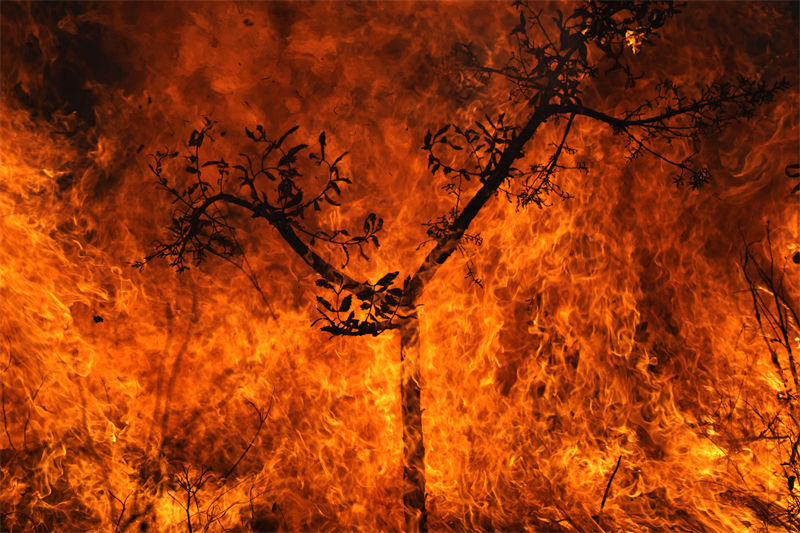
612, 329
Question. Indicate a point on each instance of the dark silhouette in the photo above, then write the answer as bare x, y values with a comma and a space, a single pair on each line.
555, 57
777, 320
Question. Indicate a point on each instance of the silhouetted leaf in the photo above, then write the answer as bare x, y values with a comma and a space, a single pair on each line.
289, 157
291, 130
346, 303
442, 130
325, 303
369, 222
387, 280
196, 138
365, 293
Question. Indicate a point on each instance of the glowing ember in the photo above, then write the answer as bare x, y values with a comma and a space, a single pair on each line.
634, 40
605, 352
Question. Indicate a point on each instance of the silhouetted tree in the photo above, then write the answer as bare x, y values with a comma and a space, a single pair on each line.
554, 58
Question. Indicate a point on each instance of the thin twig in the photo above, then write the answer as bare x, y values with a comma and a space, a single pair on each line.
608, 486
261, 419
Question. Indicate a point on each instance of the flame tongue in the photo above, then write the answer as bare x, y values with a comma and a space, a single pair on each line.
608, 375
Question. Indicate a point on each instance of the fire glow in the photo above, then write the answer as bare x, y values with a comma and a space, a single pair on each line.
605, 351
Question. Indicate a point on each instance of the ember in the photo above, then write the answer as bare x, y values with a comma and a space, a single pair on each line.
386, 266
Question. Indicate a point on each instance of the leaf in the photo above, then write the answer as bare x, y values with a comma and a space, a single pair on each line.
325, 303
196, 138
346, 303
322, 144
369, 222
386, 280
290, 155
322, 282
283, 137
520, 28
191, 170
365, 294
442, 130
295, 149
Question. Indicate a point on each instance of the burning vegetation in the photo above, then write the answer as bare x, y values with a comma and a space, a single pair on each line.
384, 266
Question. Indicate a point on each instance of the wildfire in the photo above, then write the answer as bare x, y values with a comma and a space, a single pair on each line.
617, 354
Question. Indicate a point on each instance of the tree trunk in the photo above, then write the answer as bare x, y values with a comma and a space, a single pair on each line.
416, 516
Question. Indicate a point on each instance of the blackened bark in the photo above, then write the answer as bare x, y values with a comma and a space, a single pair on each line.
414, 510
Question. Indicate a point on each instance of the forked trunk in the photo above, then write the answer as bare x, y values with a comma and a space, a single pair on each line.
416, 517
